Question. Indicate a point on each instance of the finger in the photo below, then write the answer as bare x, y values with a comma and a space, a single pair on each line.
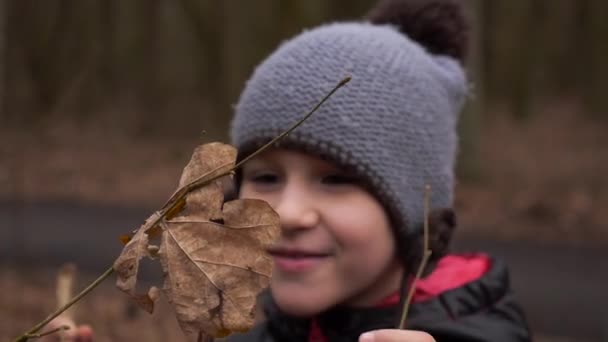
84, 333
396, 335
59, 322
55, 324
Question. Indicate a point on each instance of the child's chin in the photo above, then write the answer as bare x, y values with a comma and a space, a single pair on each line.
304, 304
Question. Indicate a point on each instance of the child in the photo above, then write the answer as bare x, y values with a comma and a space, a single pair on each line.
349, 183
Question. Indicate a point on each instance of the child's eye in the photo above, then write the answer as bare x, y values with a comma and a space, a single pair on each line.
264, 178
339, 179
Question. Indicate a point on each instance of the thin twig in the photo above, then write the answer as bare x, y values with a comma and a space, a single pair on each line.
206, 179
173, 203
426, 254
59, 311
46, 333
280, 136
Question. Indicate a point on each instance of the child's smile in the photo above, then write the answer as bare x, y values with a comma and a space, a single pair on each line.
293, 259
336, 245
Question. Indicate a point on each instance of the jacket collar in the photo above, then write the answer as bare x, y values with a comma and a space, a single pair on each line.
448, 301
336, 324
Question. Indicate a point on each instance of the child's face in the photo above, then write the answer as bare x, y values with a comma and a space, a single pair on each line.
336, 244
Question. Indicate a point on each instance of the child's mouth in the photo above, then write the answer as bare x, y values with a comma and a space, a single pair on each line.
287, 260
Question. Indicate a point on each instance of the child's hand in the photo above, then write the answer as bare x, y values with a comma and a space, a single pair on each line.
81, 333
395, 335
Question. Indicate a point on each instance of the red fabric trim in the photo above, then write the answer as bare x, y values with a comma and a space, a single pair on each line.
451, 272
316, 335
390, 300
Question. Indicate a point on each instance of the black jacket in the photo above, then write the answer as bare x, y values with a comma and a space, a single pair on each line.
483, 309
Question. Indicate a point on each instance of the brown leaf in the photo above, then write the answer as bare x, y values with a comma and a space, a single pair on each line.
212, 253
147, 301
214, 272
127, 264
207, 162
124, 239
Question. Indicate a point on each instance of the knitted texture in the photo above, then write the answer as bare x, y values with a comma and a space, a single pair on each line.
393, 124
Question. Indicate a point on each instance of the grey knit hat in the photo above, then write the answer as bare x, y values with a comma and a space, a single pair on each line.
393, 124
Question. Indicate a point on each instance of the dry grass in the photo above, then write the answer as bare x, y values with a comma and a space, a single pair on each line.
28, 296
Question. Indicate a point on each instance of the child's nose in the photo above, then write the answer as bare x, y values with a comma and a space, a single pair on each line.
297, 212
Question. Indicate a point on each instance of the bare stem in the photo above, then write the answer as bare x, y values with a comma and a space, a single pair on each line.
205, 179
282, 135
173, 203
46, 333
59, 311
426, 254
427, 209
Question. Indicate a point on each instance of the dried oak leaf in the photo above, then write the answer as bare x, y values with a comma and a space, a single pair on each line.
212, 253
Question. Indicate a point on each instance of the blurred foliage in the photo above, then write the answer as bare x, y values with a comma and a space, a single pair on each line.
188, 59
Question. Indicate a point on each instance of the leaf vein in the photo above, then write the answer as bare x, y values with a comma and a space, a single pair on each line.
240, 310
232, 265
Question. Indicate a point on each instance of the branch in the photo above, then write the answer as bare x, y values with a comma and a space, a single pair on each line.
426, 254
24, 337
46, 333
172, 206
177, 199
282, 135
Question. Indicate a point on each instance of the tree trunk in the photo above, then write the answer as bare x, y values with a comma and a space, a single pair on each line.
468, 163
3, 62
148, 64
594, 92
107, 34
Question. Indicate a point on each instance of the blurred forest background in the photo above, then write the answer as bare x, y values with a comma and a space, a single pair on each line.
102, 102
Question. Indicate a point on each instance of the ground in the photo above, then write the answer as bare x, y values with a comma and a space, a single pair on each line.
29, 297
